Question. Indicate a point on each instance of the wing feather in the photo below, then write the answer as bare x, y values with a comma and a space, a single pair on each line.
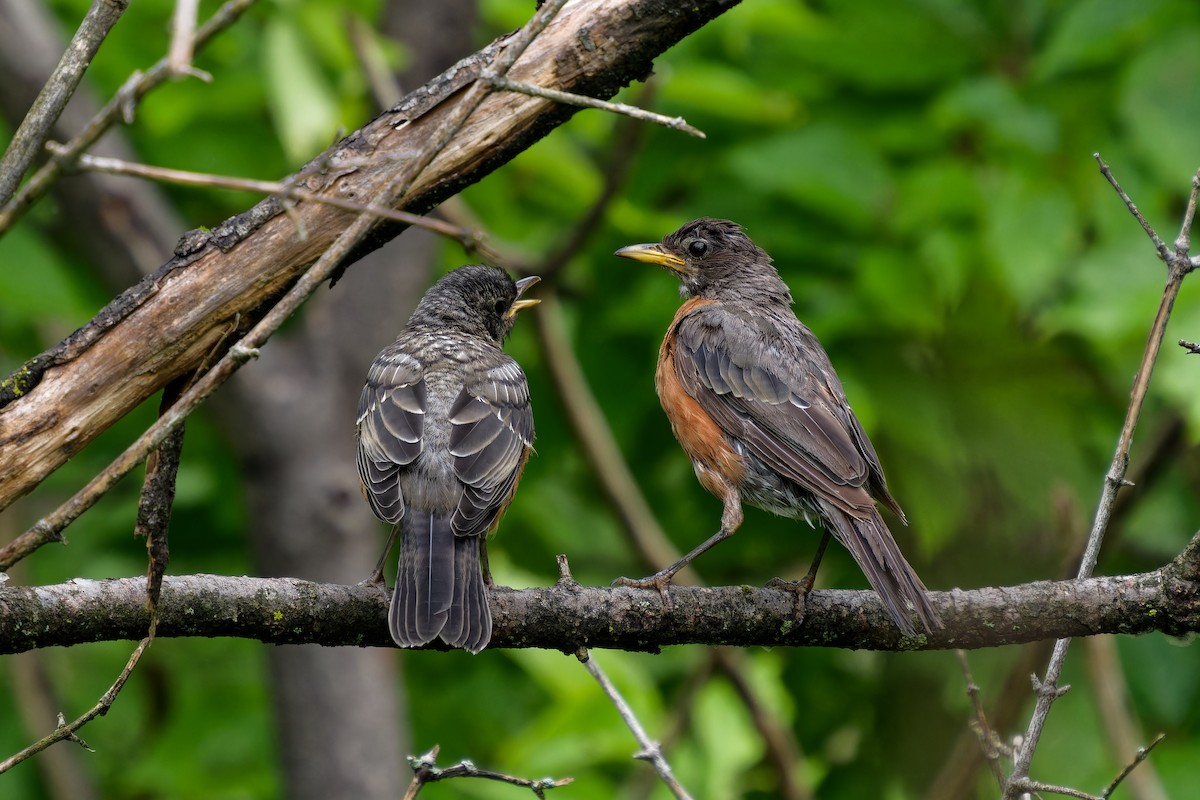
790, 414
391, 420
490, 438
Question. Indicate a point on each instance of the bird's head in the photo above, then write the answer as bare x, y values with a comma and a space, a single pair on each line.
475, 299
714, 258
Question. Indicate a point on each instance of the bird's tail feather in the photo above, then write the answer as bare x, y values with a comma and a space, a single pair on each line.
469, 624
880, 559
439, 587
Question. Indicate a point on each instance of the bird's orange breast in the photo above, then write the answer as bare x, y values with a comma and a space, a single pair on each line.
717, 464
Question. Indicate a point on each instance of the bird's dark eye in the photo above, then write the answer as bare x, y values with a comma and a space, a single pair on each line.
698, 248
501, 307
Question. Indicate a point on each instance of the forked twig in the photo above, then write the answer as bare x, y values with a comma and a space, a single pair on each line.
425, 770
1028, 785
66, 730
156, 500
1179, 264
183, 40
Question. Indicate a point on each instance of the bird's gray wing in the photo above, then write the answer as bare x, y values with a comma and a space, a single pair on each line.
391, 419
490, 439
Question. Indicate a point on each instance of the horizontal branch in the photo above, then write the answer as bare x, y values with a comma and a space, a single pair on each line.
568, 616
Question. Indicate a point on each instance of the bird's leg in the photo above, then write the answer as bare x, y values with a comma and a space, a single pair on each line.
376, 578
484, 565
805, 584
731, 520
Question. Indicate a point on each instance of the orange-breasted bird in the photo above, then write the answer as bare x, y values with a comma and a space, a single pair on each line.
754, 401
444, 429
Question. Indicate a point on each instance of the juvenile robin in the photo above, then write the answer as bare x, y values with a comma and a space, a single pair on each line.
444, 428
756, 405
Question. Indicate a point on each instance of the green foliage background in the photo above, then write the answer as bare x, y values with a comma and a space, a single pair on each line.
922, 172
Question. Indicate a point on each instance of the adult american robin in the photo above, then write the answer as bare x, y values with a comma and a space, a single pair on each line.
755, 403
444, 429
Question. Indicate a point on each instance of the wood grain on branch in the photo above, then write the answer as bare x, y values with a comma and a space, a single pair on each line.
568, 616
222, 280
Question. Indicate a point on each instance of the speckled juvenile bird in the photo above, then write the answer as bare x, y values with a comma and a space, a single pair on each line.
444, 429
755, 403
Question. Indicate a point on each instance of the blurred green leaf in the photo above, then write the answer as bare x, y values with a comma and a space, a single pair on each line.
300, 97
1031, 233
728, 742
991, 106
872, 45
1160, 105
1093, 32
718, 90
827, 168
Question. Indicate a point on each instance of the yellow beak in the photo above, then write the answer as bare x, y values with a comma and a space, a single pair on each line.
652, 254
519, 304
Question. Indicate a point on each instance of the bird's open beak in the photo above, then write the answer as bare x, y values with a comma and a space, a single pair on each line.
652, 254
519, 304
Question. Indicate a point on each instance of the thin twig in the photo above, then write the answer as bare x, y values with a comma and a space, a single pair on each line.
50, 527
1138, 758
118, 108
1027, 786
1191, 347
284, 189
52, 99
1159, 245
570, 98
425, 770
1183, 242
987, 739
384, 86
1178, 265
67, 730
183, 38
650, 750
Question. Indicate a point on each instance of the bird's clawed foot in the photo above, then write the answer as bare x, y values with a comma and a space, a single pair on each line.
376, 579
801, 587
659, 580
